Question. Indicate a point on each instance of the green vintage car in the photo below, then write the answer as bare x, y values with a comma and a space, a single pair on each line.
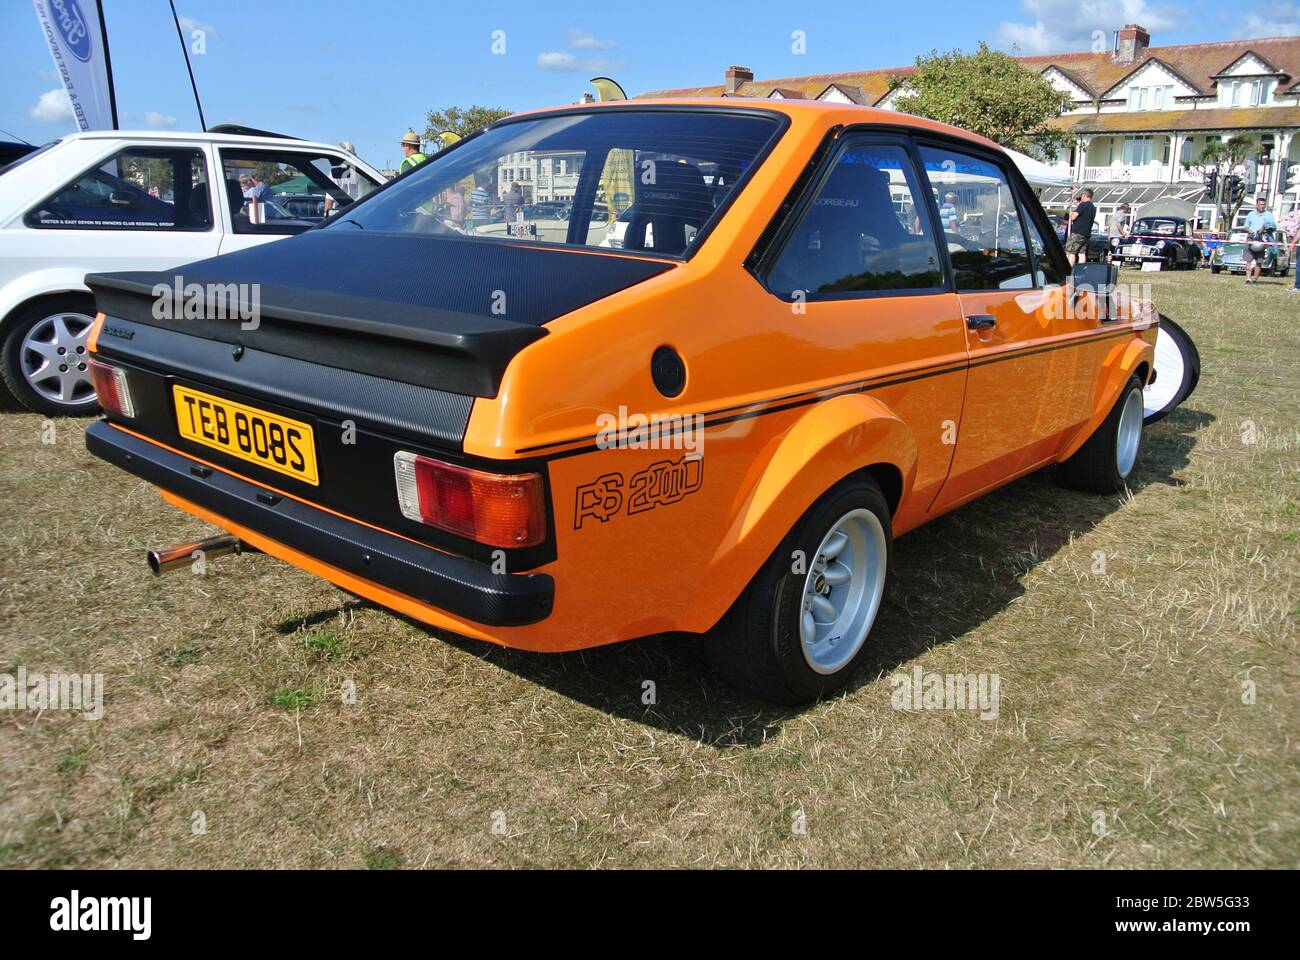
1230, 256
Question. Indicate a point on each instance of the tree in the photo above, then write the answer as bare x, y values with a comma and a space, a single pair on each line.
462, 122
988, 93
1221, 158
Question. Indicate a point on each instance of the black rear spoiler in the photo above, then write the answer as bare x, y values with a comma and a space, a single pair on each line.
430, 347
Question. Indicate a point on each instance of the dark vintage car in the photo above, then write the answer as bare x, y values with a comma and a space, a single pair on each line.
1167, 241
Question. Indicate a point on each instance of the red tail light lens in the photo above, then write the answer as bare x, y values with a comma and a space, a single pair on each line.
496, 509
111, 388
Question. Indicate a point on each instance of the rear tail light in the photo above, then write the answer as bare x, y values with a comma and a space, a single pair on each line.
112, 389
490, 508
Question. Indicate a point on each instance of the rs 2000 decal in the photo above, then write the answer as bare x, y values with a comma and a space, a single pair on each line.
658, 485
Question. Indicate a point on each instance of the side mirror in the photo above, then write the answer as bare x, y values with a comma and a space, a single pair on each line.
1099, 279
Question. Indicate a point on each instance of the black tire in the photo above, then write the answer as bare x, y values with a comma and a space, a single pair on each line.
1094, 467
11, 359
757, 646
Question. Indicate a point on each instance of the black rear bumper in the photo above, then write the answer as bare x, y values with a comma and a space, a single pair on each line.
457, 585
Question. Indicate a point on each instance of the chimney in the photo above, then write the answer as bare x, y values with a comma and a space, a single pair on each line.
735, 77
1133, 41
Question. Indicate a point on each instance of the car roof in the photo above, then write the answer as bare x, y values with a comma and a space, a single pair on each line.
226, 138
811, 111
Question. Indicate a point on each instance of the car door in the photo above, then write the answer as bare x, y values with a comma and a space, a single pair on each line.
1033, 361
299, 173
861, 260
139, 207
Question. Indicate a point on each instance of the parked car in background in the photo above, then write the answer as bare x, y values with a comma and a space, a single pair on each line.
717, 428
1167, 241
302, 206
11, 151
1230, 256
121, 200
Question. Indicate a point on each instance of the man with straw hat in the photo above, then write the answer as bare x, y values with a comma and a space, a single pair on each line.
413, 157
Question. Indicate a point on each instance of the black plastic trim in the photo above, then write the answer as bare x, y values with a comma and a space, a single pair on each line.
455, 584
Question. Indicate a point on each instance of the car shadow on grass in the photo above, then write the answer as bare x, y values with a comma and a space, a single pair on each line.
950, 576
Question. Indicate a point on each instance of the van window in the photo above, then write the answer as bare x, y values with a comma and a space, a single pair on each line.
863, 232
980, 222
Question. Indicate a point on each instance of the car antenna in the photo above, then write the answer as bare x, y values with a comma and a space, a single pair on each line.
188, 66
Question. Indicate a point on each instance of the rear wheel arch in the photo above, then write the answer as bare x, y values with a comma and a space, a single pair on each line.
854, 436
19, 308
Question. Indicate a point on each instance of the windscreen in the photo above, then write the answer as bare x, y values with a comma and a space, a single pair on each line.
644, 181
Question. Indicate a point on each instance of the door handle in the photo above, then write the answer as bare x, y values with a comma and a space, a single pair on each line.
980, 321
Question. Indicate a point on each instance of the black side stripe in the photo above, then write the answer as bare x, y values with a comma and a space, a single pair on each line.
779, 404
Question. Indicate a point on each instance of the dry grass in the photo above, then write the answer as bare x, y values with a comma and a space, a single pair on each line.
1121, 692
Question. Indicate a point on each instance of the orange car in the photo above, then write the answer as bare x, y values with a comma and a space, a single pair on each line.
607, 371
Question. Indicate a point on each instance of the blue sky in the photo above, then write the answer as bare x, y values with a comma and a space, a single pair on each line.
365, 71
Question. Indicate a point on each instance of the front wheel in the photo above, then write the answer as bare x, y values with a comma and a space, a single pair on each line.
1105, 462
44, 358
800, 628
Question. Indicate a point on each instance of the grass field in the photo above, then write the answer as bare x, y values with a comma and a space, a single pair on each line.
1122, 739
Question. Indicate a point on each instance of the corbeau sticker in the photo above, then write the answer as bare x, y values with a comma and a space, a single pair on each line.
658, 485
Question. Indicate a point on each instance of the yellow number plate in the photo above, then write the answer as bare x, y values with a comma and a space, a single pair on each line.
277, 443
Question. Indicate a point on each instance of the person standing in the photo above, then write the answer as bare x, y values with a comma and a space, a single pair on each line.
480, 205
1117, 229
948, 212
1260, 229
1295, 242
412, 156
1082, 218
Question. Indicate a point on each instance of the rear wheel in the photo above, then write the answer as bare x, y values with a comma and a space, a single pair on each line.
44, 359
800, 628
1105, 462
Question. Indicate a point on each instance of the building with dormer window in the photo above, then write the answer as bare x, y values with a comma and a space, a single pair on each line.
1140, 114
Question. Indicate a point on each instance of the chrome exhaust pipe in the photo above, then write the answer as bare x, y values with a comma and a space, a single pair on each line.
166, 559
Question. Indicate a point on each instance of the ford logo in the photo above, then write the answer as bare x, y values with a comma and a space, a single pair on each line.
68, 18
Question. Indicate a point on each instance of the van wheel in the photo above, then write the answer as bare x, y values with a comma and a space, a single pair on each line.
1105, 462
44, 358
801, 626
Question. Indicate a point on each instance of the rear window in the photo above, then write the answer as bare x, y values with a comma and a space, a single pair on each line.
645, 181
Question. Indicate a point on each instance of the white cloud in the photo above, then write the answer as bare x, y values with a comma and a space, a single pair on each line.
189, 25
557, 60
1061, 26
562, 60
1276, 20
582, 40
53, 107
158, 120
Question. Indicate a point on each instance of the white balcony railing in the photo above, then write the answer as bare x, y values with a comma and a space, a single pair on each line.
1144, 173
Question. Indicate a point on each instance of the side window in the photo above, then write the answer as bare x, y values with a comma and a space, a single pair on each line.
977, 211
140, 188
864, 231
1048, 271
281, 192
